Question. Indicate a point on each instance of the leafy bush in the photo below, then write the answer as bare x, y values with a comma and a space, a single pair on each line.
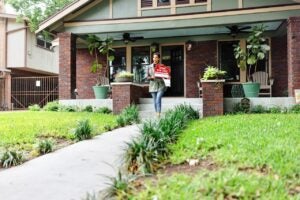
259, 109
275, 109
124, 74
129, 115
88, 108
51, 106
107, 128
212, 72
45, 146
63, 108
11, 158
103, 110
83, 130
295, 109
146, 153
34, 107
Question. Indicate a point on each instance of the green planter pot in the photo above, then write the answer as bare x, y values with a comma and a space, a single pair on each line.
251, 89
101, 91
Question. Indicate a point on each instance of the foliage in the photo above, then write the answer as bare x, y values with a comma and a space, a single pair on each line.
250, 161
119, 186
146, 153
45, 146
212, 72
34, 107
258, 109
67, 108
83, 130
129, 115
51, 106
88, 108
98, 47
11, 158
37, 10
220, 184
256, 50
124, 74
103, 110
295, 109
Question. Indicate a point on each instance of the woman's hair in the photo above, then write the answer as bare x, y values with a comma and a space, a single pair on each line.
157, 53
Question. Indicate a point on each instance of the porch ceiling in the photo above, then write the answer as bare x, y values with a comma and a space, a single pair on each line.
186, 32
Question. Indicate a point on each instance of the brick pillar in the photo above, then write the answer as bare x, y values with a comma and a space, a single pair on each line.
213, 100
293, 38
124, 94
67, 65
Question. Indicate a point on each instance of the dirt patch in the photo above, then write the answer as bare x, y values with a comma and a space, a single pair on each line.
263, 171
294, 191
185, 168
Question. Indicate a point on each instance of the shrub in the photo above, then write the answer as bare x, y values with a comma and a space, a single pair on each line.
107, 128
129, 115
259, 109
45, 146
83, 130
34, 107
11, 158
51, 106
275, 109
295, 109
147, 152
88, 108
63, 108
103, 110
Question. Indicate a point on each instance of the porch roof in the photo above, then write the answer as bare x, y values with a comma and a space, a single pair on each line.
206, 23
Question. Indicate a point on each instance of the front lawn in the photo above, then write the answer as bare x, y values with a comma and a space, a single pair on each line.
254, 156
21, 130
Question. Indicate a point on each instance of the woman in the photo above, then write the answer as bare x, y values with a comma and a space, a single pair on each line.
157, 86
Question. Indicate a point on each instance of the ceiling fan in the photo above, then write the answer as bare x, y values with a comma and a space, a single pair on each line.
127, 38
235, 29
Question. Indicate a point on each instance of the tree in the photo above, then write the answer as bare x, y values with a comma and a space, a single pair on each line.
37, 10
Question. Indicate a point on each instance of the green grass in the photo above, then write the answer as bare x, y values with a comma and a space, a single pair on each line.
22, 129
268, 142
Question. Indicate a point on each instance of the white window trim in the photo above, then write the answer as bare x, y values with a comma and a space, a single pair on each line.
172, 6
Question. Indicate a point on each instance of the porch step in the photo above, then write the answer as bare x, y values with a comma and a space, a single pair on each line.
146, 107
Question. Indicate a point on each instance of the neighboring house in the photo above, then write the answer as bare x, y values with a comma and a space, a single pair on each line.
25, 62
190, 34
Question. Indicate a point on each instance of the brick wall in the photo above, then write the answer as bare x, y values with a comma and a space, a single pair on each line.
67, 65
279, 66
293, 40
213, 100
202, 54
85, 79
124, 94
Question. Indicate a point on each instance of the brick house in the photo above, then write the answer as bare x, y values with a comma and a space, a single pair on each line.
22, 54
189, 34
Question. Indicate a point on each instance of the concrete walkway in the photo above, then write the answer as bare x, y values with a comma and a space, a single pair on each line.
68, 173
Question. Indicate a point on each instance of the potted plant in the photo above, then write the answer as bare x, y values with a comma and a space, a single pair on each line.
256, 50
213, 73
99, 49
124, 76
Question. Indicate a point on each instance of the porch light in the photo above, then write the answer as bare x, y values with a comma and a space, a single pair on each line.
154, 47
189, 45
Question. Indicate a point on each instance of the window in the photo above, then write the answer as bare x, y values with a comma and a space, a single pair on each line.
227, 60
118, 64
44, 41
163, 2
146, 3
140, 62
200, 1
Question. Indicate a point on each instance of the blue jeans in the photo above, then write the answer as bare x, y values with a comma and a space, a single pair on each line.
157, 100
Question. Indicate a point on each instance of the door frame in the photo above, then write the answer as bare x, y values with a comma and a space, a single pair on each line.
184, 61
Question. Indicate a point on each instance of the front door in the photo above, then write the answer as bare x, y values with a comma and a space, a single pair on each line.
173, 56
